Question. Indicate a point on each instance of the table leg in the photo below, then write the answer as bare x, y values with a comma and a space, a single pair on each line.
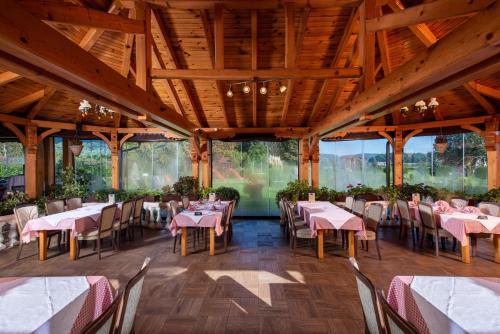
212, 241
496, 244
72, 247
68, 240
184, 241
42, 244
321, 237
465, 251
350, 243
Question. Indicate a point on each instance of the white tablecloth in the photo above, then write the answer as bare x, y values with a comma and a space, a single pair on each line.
458, 304
41, 304
195, 218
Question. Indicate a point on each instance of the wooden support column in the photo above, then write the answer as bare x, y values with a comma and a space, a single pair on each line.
314, 156
304, 159
398, 158
49, 161
195, 157
30, 162
205, 163
143, 46
492, 146
68, 159
115, 161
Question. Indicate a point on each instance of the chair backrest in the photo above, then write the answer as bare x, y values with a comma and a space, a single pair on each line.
23, 213
368, 296
359, 207
349, 202
107, 218
174, 206
290, 217
131, 297
394, 323
74, 203
489, 208
212, 197
126, 212
105, 324
427, 215
458, 202
185, 202
373, 216
138, 203
404, 210
54, 206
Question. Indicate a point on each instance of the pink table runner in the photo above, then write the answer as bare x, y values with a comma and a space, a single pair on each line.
78, 221
437, 304
213, 219
73, 302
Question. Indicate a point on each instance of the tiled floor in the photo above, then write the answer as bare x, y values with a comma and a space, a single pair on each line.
258, 286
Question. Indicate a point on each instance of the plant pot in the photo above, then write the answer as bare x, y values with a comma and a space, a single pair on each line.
441, 147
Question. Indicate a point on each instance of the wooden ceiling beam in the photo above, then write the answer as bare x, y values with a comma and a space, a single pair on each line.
464, 54
63, 12
421, 30
259, 74
22, 101
49, 92
27, 47
143, 48
290, 56
7, 77
282, 132
426, 12
255, 4
485, 90
481, 100
173, 62
369, 11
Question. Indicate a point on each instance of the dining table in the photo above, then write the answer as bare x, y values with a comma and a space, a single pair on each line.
322, 216
200, 214
442, 304
52, 304
73, 221
460, 223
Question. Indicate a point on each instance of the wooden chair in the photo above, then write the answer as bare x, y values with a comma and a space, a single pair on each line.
359, 207
349, 202
23, 213
489, 208
173, 207
54, 206
371, 221
429, 226
106, 322
137, 216
226, 225
123, 223
297, 232
104, 229
369, 302
131, 296
406, 221
74, 203
185, 202
458, 203
394, 323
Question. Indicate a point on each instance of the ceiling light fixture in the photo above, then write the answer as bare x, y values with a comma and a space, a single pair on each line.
230, 92
282, 88
246, 88
263, 89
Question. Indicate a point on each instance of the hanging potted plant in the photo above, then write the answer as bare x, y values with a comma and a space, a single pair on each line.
76, 146
440, 144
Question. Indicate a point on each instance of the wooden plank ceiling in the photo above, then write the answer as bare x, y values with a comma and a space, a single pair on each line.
185, 38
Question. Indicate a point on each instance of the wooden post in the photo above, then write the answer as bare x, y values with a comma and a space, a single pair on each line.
205, 163
49, 161
315, 164
490, 138
30, 162
115, 161
67, 154
143, 48
304, 160
195, 158
398, 158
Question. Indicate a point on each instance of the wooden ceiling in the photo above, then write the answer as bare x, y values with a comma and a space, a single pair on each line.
284, 42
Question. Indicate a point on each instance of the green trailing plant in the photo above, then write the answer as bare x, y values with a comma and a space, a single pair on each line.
186, 186
360, 190
294, 191
71, 186
227, 194
389, 193
492, 195
168, 190
8, 204
203, 192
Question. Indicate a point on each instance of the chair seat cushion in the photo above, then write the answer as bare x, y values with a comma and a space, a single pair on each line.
367, 235
304, 233
116, 226
93, 234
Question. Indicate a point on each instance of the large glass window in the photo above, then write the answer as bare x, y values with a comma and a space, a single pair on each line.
11, 159
152, 165
258, 170
462, 167
94, 164
58, 158
344, 163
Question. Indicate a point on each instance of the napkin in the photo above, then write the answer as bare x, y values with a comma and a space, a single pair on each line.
442, 206
470, 209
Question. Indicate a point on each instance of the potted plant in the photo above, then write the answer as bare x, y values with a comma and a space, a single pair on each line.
440, 144
187, 186
169, 194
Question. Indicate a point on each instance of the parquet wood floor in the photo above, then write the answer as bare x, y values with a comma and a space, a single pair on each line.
258, 286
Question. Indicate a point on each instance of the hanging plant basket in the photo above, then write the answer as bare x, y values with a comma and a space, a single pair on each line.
441, 144
76, 149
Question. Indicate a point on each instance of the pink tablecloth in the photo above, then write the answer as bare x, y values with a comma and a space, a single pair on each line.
328, 217
77, 221
184, 220
61, 304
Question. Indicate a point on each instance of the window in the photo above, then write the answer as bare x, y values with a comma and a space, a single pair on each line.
463, 166
344, 163
11, 159
94, 164
152, 165
258, 170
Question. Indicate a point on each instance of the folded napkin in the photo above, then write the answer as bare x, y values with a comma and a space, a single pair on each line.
471, 209
442, 206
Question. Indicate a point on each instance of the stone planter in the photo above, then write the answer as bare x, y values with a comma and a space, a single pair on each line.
8, 232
